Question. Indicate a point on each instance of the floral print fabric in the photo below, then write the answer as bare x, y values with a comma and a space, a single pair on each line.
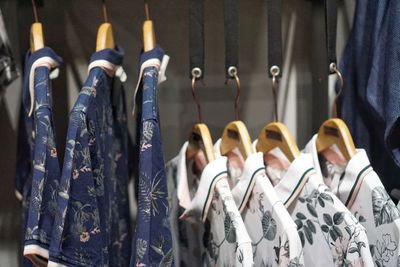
329, 233
359, 187
152, 245
274, 236
92, 221
225, 240
38, 169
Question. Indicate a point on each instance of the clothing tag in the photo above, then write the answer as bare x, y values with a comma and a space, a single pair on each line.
48, 62
161, 67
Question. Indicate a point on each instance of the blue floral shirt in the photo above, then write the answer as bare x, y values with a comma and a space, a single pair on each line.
92, 222
38, 168
152, 243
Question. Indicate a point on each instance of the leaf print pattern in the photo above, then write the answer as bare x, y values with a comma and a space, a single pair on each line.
384, 209
384, 250
152, 220
269, 226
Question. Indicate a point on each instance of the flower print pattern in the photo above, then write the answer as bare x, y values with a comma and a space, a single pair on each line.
92, 224
153, 242
384, 250
384, 209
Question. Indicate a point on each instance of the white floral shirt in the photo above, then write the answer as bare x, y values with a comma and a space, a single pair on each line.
213, 231
358, 186
272, 230
330, 234
187, 236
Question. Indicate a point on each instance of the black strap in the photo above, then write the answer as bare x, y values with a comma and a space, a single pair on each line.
231, 20
274, 11
331, 7
196, 38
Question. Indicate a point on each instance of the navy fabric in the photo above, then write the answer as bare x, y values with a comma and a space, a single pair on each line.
370, 97
38, 170
92, 225
152, 245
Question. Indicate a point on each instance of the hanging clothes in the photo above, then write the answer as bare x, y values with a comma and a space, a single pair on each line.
92, 226
187, 236
330, 234
274, 236
226, 241
360, 189
8, 70
38, 171
152, 245
369, 99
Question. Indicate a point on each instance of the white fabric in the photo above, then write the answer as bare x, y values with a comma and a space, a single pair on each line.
153, 62
228, 243
330, 234
110, 68
48, 62
273, 232
360, 188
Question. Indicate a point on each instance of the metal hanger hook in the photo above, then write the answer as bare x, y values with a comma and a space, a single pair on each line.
35, 13
196, 74
333, 68
232, 71
275, 70
146, 10
105, 13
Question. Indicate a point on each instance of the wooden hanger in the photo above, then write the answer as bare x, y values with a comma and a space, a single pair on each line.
276, 134
105, 36
235, 134
200, 138
149, 37
335, 131
36, 33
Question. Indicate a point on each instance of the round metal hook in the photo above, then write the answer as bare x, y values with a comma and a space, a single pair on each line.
232, 71
196, 73
333, 68
35, 13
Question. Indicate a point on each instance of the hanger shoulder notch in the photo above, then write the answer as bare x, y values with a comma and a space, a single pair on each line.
200, 139
105, 37
335, 132
236, 135
36, 36
274, 135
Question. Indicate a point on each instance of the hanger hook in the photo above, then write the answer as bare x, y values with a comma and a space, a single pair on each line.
333, 68
146, 10
105, 13
196, 74
232, 71
35, 13
275, 70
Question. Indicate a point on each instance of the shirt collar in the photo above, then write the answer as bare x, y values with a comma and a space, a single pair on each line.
291, 184
241, 192
32, 61
199, 206
356, 169
183, 193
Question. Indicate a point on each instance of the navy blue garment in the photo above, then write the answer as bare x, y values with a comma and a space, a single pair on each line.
38, 170
370, 97
152, 243
92, 224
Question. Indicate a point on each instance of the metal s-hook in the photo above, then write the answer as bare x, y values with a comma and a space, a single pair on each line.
196, 74
35, 13
105, 13
275, 71
232, 71
333, 68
